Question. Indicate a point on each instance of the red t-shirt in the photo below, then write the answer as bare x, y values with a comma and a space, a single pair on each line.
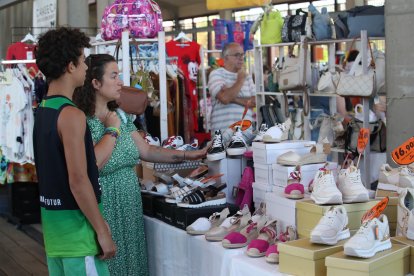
188, 54
20, 50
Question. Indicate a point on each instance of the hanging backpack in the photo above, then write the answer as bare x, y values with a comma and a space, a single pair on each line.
271, 27
142, 18
294, 26
321, 23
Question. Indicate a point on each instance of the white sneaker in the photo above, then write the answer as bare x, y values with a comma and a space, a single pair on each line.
406, 178
388, 175
277, 133
152, 140
324, 188
332, 227
259, 135
372, 237
350, 185
237, 144
405, 217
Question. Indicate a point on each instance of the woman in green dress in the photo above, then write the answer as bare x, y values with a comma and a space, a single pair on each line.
118, 146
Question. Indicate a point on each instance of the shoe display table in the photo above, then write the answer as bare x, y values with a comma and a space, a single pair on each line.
171, 251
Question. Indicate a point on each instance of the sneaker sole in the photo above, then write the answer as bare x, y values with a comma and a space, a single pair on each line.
206, 203
216, 156
344, 234
272, 260
238, 151
358, 198
332, 200
378, 247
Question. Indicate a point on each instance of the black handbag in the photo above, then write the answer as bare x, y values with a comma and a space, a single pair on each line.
272, 113
377, 138
294, 26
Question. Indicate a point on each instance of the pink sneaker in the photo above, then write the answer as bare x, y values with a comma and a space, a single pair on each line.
294, 189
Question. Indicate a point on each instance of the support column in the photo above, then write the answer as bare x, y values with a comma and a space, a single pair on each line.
399, 19
226, 14
73, 13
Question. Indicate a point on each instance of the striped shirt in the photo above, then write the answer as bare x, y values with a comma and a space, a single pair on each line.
223, 115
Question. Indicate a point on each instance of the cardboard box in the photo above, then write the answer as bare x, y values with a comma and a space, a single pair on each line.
281, 208
301, 257
410, 243
263, 173
148, 204
186, 216
394, 261
164, 211
391, 211
281, 173
232, 170
265, 153
259, 191
308, 215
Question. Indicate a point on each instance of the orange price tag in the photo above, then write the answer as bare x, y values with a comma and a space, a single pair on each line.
404, 154
375, 211
362, 139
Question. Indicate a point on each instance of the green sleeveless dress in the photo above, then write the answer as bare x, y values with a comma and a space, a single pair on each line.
121, 199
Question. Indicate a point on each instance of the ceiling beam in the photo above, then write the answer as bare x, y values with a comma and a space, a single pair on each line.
7, 3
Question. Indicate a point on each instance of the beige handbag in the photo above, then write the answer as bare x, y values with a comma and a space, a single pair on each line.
362, 85
292, 75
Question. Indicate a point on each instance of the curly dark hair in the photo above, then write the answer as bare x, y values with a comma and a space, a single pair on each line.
57, 48
84, 97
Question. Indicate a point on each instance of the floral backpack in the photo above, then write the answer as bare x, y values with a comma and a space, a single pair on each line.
142, 18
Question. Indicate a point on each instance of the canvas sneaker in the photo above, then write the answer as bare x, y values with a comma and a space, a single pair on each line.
405, 216
332, 227
189, 147
406, 178
389, 175
152, 140
277, 133
262, 131
324, 188
350, 185
237, 144
372, 237
216, 151
173, 142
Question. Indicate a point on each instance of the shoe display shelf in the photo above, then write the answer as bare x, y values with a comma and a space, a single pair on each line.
394, 261
308, 215
331, 44
185, 167
301, 257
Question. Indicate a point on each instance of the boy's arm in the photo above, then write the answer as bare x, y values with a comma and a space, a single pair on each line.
71, 128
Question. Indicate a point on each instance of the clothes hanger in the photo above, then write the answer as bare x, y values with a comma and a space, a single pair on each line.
29, 37
182, 36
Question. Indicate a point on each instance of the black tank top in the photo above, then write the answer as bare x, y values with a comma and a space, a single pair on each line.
55, 193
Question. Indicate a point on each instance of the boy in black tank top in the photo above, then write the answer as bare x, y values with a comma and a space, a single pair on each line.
74, 230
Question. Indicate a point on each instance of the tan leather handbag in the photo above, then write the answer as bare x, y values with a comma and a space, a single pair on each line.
133, 100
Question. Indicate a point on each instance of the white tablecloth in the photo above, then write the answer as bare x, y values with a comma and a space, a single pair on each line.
172, 251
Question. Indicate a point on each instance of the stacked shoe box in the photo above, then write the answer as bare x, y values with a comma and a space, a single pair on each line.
281, 173
394, 261
232, 169
264, 155
410, 243
384, 190
308, 215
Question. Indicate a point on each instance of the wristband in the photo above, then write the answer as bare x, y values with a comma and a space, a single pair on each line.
113, 131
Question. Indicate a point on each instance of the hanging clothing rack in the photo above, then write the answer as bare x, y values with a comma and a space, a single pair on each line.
18, 61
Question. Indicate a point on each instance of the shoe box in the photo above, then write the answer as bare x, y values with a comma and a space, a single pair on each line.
266, 153
186, 216
410, 243
259, 192
281, 173
232, 169
164, 211
384, 190
148, 204
281, 208
263, 173
301, 257
394, 261
308, 215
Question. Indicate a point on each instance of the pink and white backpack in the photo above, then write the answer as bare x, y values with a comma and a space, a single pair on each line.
142, 18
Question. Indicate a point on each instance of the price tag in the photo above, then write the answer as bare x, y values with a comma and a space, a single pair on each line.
362, 139
404, 154
375, 211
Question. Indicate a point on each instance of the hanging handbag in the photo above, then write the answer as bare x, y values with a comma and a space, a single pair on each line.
357, 83
294, 26
132, 100
377, 135
271, 27
272, 113
295, 71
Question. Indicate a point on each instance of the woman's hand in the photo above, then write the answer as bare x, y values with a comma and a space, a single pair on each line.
112, 120
197, 154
